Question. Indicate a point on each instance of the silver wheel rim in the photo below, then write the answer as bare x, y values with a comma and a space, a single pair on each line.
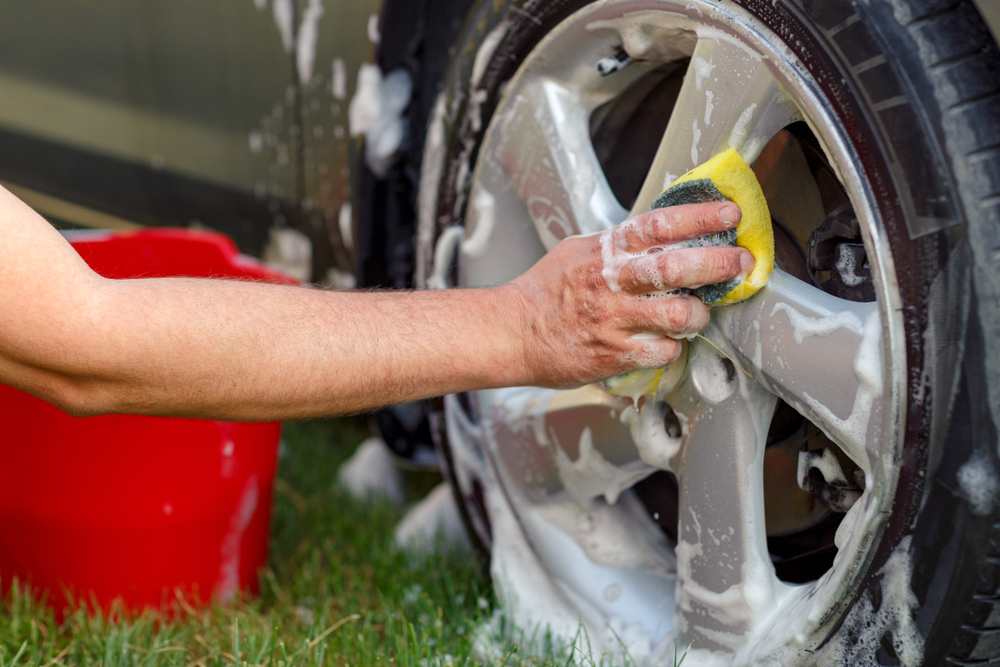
562, 461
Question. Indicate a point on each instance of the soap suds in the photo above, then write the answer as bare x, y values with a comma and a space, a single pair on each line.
284, 14
374, 33
827, 464
728, 608
371, 472
804, 326
846, 267
709, 107
647, 427
431, 169
444, 252
591, 475
868, 371
711, 376
484, 206
345, 224
453, 238
338, 79
535, 613
432, 523
650, 35
376, 112
306, 40
485, 52
847, 524
979, 483
228, 582
739, 133
695, 138
866, 626
645, 264
702, 69
255, 141
757, 359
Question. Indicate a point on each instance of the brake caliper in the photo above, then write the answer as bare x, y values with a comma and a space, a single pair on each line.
836, 247
820, 473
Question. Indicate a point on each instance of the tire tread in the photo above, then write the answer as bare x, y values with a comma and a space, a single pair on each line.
962, 62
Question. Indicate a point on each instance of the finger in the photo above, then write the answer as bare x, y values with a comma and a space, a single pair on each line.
664, 226
649, 352
669, 316
684, 267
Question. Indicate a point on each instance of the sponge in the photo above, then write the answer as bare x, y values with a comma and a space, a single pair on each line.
726, 177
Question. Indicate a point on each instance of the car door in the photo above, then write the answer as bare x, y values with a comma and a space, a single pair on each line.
228, 114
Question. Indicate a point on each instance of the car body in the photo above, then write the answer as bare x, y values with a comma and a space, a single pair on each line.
230, 115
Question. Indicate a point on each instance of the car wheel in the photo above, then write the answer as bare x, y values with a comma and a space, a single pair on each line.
815, 480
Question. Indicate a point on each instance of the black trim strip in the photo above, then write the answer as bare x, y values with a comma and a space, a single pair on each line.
137, 192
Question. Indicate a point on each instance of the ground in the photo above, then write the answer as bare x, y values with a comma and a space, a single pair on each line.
335, 592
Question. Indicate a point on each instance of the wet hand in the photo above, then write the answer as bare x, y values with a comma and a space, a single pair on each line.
599, 305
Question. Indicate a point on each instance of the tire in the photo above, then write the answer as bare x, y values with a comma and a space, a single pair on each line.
417, 36
901, 103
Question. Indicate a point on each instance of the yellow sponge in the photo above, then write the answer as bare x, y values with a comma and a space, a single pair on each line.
727, 176
635, 383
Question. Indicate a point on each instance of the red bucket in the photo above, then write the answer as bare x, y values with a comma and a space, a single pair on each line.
121, 506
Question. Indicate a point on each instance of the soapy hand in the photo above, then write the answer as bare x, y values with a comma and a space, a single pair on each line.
599, 305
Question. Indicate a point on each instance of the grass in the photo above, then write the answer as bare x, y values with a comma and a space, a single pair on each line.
335, 593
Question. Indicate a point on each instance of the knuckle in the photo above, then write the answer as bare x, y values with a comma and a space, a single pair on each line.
731, 263
629, 232
670, 270
718, 264
594, 279
703, 221
679, 314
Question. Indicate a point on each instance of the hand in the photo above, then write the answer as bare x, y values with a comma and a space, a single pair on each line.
591, 308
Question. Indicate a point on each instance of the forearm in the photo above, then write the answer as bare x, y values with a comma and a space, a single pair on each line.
247, 351
251, 351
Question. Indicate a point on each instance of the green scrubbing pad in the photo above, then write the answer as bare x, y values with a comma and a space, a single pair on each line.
727, 176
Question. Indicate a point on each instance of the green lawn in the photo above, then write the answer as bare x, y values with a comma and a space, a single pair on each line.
335, 593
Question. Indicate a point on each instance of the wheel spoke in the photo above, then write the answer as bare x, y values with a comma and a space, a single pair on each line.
568, 462
545, 149
821, 354
564, 440
729, 98
724, 571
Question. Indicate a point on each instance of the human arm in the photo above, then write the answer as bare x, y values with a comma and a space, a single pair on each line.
248, 351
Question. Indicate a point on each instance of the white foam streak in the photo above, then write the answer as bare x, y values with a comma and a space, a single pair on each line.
376, 112
591, 475
338, 79
485, 52
804, 326
307, 38
646, 425
284, 14
739, 134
